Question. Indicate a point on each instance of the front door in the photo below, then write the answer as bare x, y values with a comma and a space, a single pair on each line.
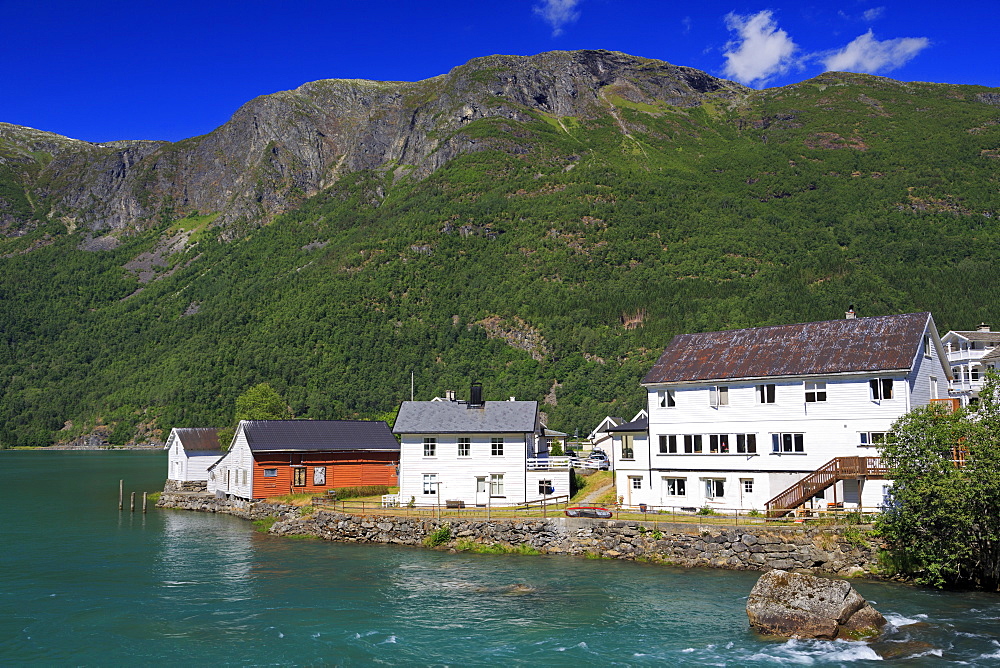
481, 493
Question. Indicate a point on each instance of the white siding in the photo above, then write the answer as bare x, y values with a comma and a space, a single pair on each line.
233, 474
458, 475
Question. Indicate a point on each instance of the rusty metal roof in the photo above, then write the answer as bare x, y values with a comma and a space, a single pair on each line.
882, 343
199, 439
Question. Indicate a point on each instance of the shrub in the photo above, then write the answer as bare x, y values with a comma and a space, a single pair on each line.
361, 491
439, 536
705, 510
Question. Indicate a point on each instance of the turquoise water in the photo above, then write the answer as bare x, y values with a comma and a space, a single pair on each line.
82, 584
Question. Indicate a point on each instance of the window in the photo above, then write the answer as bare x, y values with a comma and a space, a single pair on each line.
692, 443
270, 473
718, 443
974, 373
881, 388
787, 443
765, 394
746, 444
496, 484
869, 438
627, 451
299, 476
927, 345
430, 447
815, 392
636, 482
666, 398
718, 395
715, 488
319, 475
496, 447
934, 387
674, 487
747, 485
545, 487
464, 446
430, 483
668, 444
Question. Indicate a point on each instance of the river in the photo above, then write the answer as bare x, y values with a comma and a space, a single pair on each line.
84, 584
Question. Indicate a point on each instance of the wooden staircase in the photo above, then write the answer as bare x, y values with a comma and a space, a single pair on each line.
835, 470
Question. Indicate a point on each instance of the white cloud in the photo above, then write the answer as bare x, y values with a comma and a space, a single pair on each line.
874, 13
761, 50
686, 22
867, 54
558, 13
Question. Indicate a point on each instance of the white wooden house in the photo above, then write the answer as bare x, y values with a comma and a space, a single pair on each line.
600, 437
738, 418
971, 355
632, 460
475, 452
190, 451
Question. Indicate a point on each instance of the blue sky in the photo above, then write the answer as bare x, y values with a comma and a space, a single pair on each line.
140, 70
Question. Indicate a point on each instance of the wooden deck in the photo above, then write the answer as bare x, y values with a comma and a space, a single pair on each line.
835, 470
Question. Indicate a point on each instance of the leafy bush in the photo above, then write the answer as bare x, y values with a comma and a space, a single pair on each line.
439, 536
705, 510
361, 491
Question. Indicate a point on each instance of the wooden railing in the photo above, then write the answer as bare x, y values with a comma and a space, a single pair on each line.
835, 470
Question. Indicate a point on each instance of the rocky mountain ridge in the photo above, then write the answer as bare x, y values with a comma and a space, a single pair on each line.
278, 149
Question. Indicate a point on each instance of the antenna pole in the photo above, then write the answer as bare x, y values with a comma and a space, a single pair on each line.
411, 386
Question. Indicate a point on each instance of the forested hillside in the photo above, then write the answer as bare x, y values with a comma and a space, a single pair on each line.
552, 258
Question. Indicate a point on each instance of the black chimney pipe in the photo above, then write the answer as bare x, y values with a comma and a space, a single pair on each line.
476, 395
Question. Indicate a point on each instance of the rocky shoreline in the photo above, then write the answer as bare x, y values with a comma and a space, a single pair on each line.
826, 551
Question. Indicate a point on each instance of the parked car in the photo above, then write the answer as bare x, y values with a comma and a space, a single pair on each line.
588, 511
599, 460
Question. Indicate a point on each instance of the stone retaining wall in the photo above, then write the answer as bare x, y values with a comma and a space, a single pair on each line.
816, 550
185, 486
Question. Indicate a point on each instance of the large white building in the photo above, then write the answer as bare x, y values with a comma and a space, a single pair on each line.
190, 451
475, 452
738, 417
971, 355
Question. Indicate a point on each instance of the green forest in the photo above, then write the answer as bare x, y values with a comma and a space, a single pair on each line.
555, 265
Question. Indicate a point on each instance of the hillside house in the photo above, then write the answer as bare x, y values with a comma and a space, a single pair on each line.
971, 355
190, 451
738, 418
475, 452
276, 457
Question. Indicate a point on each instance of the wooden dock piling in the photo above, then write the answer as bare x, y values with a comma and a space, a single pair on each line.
120, 496
131, 505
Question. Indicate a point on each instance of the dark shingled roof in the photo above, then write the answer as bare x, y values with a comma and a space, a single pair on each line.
452, 417
292, 435
881, 343
978, 336
642, 424
201, 440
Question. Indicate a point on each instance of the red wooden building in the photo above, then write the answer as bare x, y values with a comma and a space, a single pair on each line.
270, 458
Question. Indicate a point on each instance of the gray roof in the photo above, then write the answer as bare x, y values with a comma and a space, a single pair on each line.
453, 417
855, 345
318, 435
977, 335
198, 440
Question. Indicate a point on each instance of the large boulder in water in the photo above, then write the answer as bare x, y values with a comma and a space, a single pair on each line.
794, 605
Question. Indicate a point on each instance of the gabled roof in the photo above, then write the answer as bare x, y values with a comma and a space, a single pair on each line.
196, 440
454, 417
605, 424
975, 335
642, 424
317, 435
856, 345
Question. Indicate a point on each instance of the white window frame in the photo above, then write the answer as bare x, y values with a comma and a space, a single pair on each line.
465, 451
715, 488
496, 485
927, 345
693, 444
270, 473
545, 488
880, 387
430, 483
788, 443
430, 446
747, 485
635, 481
628, 446
718, 444
933, 387
746, 444
496, 447
666, 398
767, 393
668, 444
869, 439
815, 391
319, 476
718, 396
674, 486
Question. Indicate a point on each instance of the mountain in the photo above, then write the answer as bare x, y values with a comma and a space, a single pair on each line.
543, 224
